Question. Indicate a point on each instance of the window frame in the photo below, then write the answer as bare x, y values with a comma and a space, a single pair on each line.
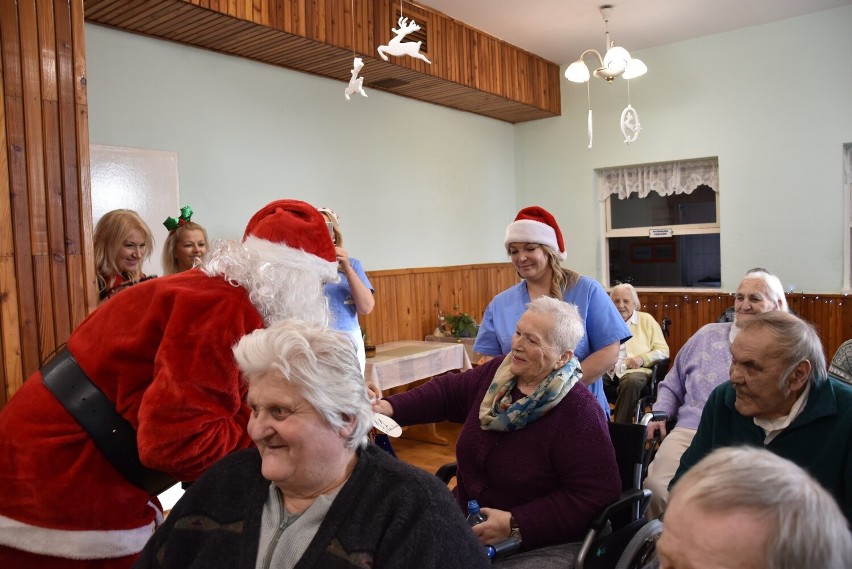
607, 232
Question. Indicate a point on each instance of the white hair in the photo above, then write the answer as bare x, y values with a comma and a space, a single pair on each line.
634, 296
568, 328
795, 341
320, 363
774, 288
282, 282
805, 525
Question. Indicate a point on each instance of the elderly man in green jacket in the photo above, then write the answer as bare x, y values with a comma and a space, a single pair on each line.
781, 398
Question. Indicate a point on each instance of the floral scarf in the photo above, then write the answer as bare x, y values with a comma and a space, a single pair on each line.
497, 411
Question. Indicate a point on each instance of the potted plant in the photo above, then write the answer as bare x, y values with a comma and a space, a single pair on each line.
462, 324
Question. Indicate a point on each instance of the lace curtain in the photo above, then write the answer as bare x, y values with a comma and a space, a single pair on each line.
665, 179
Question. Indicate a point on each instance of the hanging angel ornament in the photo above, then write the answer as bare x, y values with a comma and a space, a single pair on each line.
356, 84
630, 126
396, 47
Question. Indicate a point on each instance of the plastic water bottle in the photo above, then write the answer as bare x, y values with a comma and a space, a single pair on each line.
508, 545
474, 516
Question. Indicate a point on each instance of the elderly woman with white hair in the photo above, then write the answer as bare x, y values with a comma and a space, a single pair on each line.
624, 382
313, 493
702, 363
534, 449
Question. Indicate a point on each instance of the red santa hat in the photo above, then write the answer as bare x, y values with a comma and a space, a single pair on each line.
536, 225
295, 224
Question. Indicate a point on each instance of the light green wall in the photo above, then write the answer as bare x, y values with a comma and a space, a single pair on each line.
773, 102
420, 185
416, 184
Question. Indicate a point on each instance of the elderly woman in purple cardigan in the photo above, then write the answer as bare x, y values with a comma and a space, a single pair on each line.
702, 363
534, 448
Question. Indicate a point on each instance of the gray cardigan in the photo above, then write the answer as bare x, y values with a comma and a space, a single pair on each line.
388, 515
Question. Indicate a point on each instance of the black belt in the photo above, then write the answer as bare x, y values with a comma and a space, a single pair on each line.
114, 436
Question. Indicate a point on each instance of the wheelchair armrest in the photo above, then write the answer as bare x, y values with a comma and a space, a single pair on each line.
628, 499
447, 471
654, 416
599, 523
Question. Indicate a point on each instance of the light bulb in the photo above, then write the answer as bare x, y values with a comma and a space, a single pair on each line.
636, 68
577, 72
616, 59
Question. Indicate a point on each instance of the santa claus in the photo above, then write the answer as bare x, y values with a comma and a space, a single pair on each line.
147, 390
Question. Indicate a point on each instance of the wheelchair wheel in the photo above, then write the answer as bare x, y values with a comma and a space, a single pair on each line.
642, 547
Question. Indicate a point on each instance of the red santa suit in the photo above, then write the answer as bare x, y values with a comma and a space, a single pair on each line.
161, 353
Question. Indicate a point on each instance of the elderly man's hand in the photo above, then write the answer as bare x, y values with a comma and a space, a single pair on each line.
496, 528
655, 426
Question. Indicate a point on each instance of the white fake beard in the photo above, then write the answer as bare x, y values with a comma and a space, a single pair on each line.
282, 282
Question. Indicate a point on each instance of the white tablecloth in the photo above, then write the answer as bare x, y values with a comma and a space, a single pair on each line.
466, 342
401, 363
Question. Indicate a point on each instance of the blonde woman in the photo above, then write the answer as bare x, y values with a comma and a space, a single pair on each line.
353, 294
122, 242
186, 244
535, 246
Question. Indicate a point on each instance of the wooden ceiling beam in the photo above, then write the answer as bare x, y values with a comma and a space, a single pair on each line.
470, 71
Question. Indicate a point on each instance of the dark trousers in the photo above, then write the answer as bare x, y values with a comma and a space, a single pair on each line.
625, 391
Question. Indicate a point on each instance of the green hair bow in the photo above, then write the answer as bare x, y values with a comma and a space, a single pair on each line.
173, 223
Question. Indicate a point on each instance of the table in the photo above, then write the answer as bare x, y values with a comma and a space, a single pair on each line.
398, 364
466, 342
401, 363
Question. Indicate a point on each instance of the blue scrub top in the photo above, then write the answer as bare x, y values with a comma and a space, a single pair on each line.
604, 324
344, 316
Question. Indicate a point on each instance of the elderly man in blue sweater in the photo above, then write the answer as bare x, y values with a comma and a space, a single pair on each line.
781, 398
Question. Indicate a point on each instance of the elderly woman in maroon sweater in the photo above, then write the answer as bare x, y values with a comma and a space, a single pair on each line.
534, 449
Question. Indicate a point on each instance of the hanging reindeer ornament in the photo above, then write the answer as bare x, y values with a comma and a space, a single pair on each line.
356, 84
396, 47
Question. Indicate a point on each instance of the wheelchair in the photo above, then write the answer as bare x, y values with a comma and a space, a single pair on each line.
649, 393
619, 536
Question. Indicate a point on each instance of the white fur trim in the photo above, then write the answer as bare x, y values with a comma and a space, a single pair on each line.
285, 256
74, 544
530, 231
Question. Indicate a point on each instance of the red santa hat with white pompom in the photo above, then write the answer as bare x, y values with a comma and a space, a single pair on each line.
535, 224
294, 225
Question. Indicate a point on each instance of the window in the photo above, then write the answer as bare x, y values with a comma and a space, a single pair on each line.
662, 224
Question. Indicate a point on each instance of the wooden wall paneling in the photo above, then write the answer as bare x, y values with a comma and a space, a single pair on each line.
261, 11
71, 247
83, 179
364, 31
10, 338
408, 301
47, 282
294, 17
56, 230
458, 53
18, 187
404, 302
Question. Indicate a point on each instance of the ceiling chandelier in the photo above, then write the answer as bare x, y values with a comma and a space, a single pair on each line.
615, 63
